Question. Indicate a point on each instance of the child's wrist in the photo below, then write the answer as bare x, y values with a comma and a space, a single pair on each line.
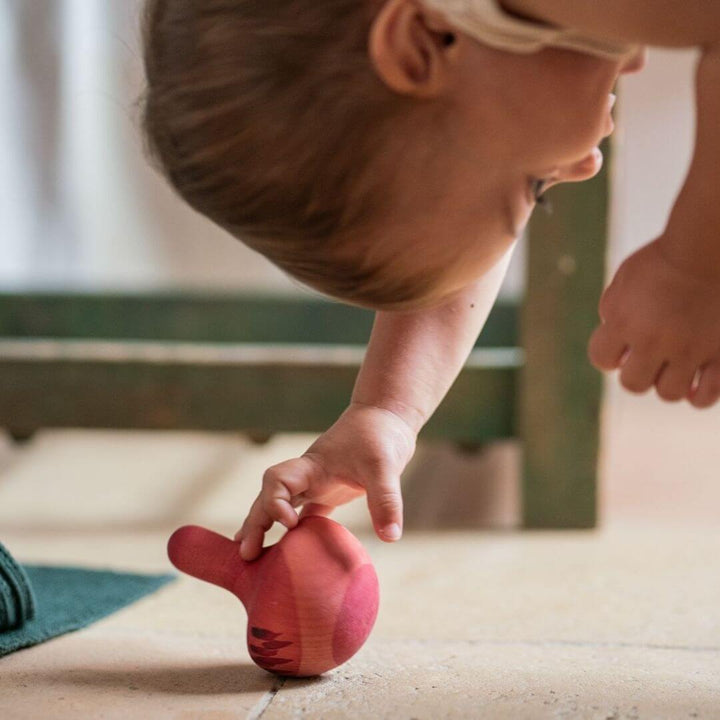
691, 240
411, 418
691, 252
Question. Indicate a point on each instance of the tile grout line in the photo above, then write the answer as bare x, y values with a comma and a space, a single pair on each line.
562, 643
262, 705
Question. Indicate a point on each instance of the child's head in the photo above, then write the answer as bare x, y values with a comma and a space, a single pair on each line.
365, 147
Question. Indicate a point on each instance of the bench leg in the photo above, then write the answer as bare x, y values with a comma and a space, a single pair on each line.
560, 392
21, 436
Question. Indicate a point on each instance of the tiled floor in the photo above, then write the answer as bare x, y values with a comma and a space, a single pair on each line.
619, 623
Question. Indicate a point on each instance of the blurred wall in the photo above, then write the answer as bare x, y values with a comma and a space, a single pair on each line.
79, 207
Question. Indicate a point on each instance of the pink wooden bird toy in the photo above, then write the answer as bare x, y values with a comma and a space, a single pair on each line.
311, 599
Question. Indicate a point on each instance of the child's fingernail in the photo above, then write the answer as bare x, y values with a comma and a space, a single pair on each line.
240, 549
392, 532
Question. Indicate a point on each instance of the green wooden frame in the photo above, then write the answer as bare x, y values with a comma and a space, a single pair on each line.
197, 373
264, 365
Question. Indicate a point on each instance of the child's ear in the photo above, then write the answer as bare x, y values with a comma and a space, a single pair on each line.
409, 47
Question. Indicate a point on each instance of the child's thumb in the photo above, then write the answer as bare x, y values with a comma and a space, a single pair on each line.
386, 509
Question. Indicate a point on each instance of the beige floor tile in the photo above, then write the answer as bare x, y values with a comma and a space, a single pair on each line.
635, 585
461, 681
104, 480
128, 481
117, 675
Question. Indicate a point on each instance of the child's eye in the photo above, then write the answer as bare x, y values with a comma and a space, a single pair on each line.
539, 187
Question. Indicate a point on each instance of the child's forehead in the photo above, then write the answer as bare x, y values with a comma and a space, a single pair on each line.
487, 22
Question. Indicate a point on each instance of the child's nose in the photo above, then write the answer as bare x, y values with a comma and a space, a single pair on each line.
582, 170
635, 63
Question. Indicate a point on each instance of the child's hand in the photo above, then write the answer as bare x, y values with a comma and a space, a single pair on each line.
365, 451
661, 325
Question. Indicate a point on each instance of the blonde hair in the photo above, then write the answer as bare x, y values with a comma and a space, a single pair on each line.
267, 117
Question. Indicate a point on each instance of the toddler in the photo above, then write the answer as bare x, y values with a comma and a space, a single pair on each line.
389, 154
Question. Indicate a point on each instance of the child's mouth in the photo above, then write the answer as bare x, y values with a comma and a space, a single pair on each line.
609, 126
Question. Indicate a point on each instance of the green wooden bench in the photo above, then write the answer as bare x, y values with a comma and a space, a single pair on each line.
265, 365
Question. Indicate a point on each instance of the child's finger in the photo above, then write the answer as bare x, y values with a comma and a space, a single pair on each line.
283, 485
640, 371
385, 504
252, 533
316, 509
707, 391
675, 381
251, 544
606, 349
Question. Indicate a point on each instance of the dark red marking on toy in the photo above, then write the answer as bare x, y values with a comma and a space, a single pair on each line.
263, 634
275, 644
264, 652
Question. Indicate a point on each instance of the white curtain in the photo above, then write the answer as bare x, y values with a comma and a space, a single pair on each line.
79, 206
31, 214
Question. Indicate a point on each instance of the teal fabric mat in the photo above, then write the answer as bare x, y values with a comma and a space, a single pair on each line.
38, 602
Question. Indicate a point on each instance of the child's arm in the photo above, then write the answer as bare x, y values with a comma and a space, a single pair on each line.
661, 313
692, 238
412, 360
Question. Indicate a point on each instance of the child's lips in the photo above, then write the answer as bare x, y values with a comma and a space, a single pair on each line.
609, 126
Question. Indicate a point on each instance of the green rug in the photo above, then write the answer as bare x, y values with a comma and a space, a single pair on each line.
38, 602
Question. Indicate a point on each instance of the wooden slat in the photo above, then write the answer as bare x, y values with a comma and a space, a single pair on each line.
45, 349
206, 317
256, 389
